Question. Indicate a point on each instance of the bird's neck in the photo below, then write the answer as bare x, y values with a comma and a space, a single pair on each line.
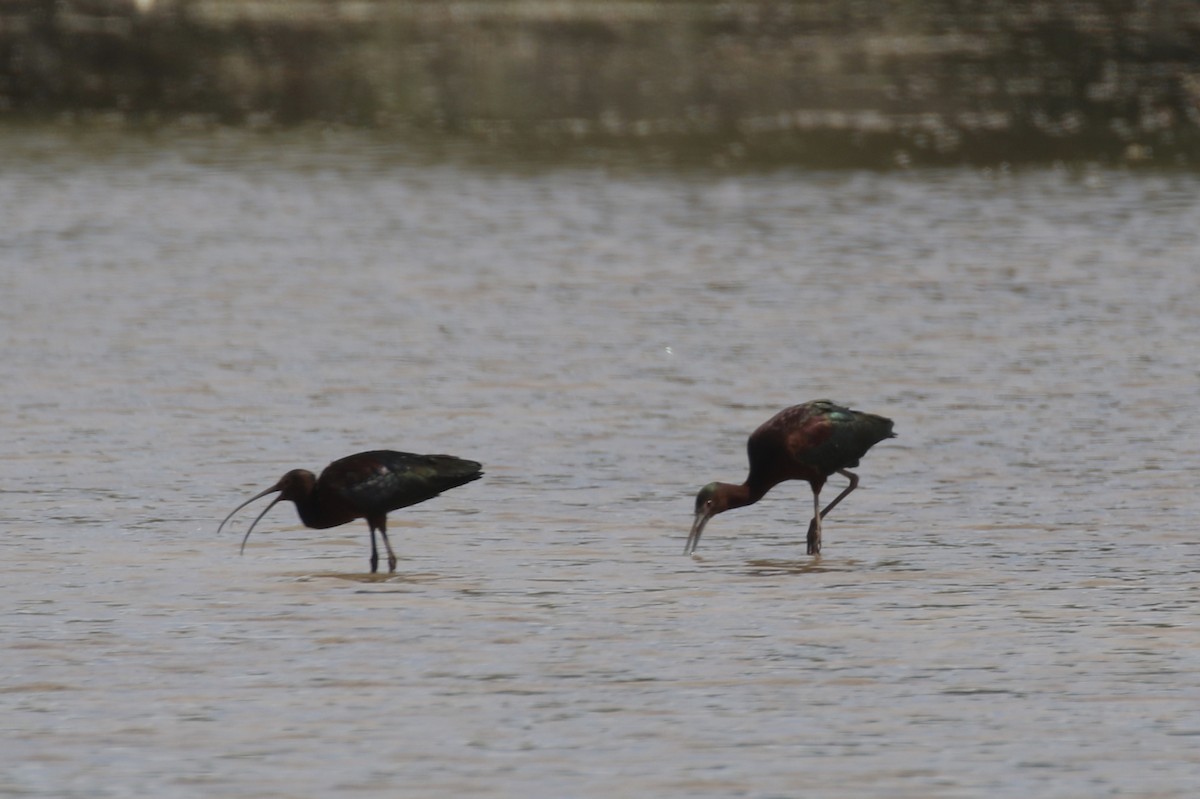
738, 496
320, 509
312, 512
756, 486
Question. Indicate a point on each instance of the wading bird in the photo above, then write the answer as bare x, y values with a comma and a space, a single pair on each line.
803, 442
365, 486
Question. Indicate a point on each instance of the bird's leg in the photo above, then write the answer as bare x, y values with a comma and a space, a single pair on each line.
374, 551
853, 478
814, 527
381, 523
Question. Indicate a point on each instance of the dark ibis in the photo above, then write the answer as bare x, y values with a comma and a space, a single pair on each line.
804, 442
365, 486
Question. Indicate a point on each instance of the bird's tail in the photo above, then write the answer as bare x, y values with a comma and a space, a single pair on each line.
449, 471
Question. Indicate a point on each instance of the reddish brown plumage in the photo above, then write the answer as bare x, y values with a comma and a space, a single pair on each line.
804, 442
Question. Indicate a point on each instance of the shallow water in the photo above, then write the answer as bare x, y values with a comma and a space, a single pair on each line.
1006, 607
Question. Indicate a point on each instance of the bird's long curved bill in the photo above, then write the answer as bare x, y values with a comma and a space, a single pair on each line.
694, 536
260, 495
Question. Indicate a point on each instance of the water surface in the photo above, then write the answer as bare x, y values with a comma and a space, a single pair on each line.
1005, 608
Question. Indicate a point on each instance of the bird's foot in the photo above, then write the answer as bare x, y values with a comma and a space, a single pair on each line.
814, 538
391, 564
374, 563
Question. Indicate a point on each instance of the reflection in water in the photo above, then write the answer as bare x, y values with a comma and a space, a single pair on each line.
1007, 608
373, 577
807, 565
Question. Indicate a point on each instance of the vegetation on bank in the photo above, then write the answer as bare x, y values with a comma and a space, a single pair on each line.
835, 83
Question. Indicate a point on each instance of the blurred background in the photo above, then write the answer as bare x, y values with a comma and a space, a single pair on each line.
812, 82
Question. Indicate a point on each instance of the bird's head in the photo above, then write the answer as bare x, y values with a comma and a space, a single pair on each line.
293, 486
296, 484
711, 500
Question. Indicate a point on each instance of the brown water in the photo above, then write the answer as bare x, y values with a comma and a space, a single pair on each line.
1006, 607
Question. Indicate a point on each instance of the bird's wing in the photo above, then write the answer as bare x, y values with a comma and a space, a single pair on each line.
836, 438
385, 480
810, 438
